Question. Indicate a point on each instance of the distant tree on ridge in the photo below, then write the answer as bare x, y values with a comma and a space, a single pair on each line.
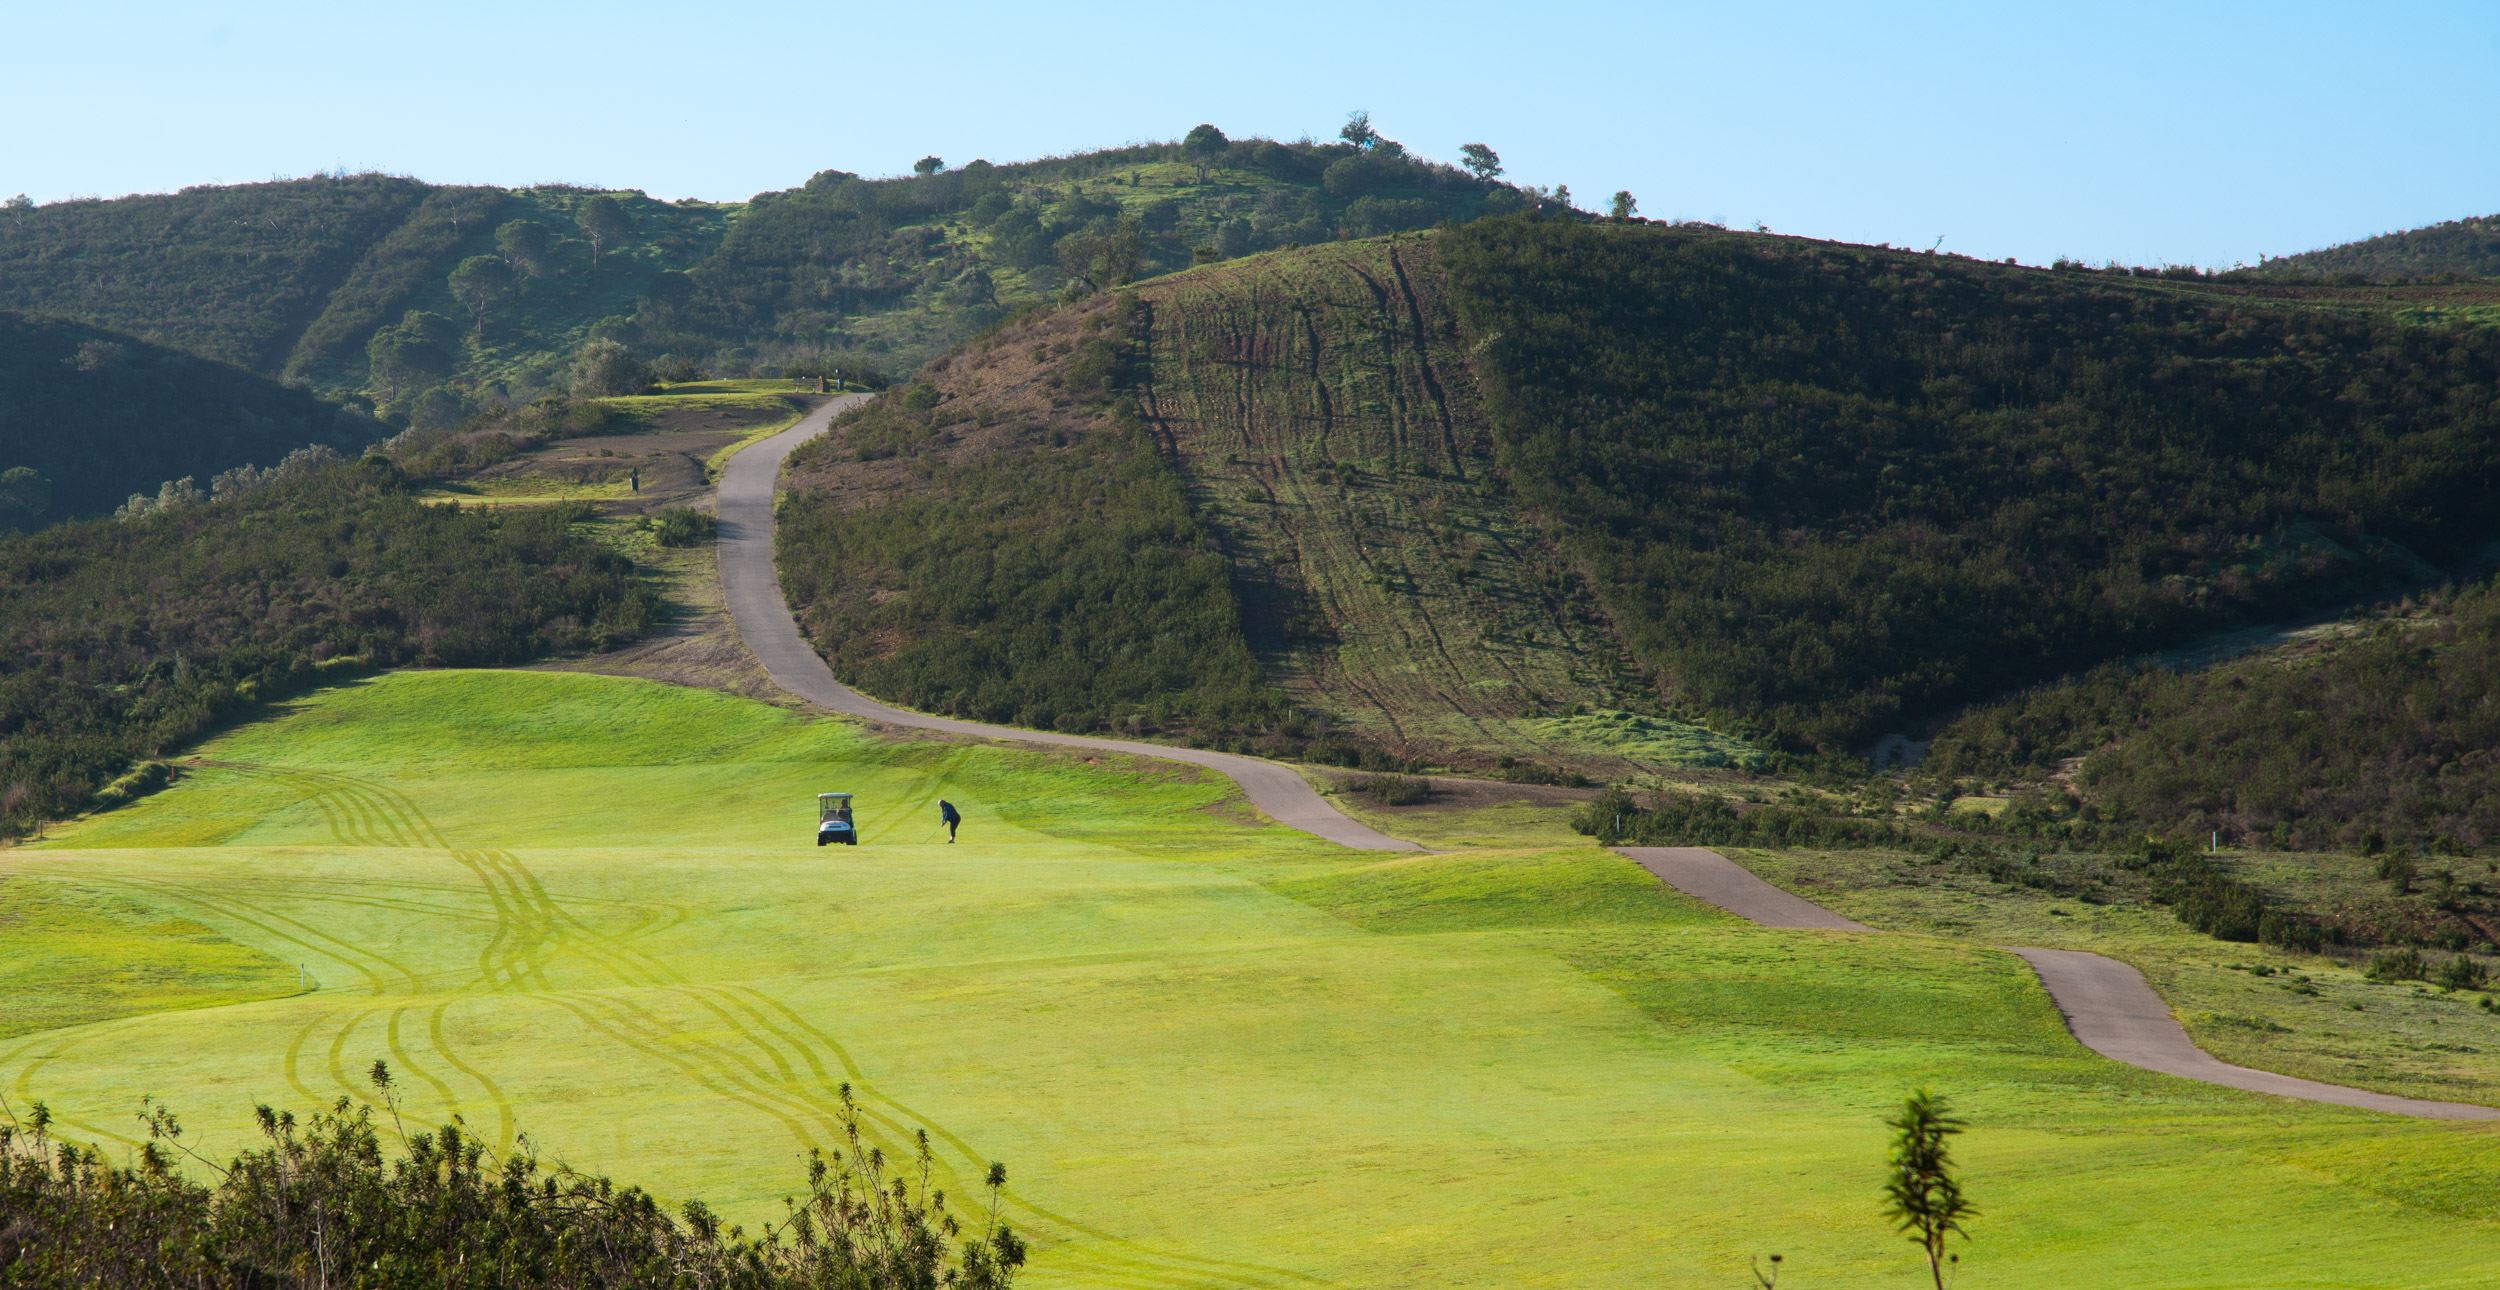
602, 220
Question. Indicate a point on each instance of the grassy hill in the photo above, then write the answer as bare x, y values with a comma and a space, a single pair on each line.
299, 277
2461, 248
126, 639
100, 415
589, 908
231, 273
1553, 492
2371, 734
1833, 490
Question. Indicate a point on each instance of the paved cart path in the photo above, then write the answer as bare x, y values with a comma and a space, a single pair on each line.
752, 587
1706, 875
2115, 1012
2108, 1005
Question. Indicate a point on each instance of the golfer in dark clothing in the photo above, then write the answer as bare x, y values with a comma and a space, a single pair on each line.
949, 816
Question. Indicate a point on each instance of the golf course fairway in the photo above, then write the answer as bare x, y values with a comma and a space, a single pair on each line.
1212, 1051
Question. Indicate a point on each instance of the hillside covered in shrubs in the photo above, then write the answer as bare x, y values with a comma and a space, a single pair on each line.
2382, 741
92, 416
317, 279
1835, 490
121, 639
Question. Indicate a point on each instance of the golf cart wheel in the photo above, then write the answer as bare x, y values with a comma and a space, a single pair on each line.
821, 839
851, 840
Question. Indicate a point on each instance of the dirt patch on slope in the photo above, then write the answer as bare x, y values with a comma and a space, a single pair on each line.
1008, 390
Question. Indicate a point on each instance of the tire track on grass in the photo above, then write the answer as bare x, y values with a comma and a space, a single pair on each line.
782, 1092
781, 1069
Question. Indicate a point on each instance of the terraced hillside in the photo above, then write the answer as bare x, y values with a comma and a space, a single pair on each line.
1322, 410
1308, 416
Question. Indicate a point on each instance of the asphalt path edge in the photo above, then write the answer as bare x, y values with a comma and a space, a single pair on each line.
751, 584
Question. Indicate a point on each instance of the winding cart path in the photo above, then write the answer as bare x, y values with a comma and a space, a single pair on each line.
2108, 1005
752, 586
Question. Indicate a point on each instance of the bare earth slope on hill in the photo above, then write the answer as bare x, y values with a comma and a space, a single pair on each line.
1320, 407
1317, 411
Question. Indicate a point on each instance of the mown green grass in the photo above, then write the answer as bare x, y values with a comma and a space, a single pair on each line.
1213, 1052
71, 955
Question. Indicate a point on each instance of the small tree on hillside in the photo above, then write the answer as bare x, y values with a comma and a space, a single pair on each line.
25, 498
928, 165
1103, 257
1358, 130
605, 368
1481, 161
524, 244
1922, 1197
1624, 205
479, 282
602, 220
1203, 146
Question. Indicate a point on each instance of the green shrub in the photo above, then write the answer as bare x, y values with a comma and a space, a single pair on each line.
1391, 790
2398, 965
1531, 772
1691, 819
2462, 973
683, 526
1063, 586
326, 1195
141, 780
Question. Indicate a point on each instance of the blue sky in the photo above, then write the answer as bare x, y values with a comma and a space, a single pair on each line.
2144, 133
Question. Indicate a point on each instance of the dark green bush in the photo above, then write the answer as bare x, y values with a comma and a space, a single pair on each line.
1391, 790
2398, 965
683, 526
324, 1202
2381, 742
1692, 819
2462, 973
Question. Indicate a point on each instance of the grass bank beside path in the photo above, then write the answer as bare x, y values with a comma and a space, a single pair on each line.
2313, 1016
1213, 1053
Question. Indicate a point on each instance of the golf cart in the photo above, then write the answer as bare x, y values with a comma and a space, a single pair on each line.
833, 820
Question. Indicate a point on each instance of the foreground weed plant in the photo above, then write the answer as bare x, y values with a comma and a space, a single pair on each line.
1922, 1197
318, 1205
